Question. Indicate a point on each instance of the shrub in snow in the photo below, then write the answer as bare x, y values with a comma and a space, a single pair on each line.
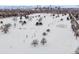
48, 30
20, 21
67, 18
44, 33
70, 17
1, 22
26, 17
24, 22
39, 23
43, 41
35, 43
5, 28
44, 16
53, 14
61, 19
38, 15
7, 25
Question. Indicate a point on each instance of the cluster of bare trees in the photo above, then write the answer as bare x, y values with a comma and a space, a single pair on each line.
5, 28
74, 26
23, 12
36, 42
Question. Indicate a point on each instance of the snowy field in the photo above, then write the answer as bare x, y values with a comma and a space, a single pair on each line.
60, 37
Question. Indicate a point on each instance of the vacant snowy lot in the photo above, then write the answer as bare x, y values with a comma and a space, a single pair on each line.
54, 28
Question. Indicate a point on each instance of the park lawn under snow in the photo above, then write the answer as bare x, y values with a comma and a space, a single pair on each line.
60, 39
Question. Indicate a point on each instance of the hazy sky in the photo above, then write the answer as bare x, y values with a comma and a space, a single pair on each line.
39, 2
62, 3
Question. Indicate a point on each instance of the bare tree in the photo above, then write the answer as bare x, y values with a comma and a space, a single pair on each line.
1, 22
24, 22
43, 41
35, 43
5, 28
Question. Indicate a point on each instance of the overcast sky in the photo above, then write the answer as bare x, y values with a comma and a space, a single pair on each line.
39, 2
62, 3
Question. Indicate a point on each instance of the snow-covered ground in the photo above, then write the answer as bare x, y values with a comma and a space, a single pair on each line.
60, 39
